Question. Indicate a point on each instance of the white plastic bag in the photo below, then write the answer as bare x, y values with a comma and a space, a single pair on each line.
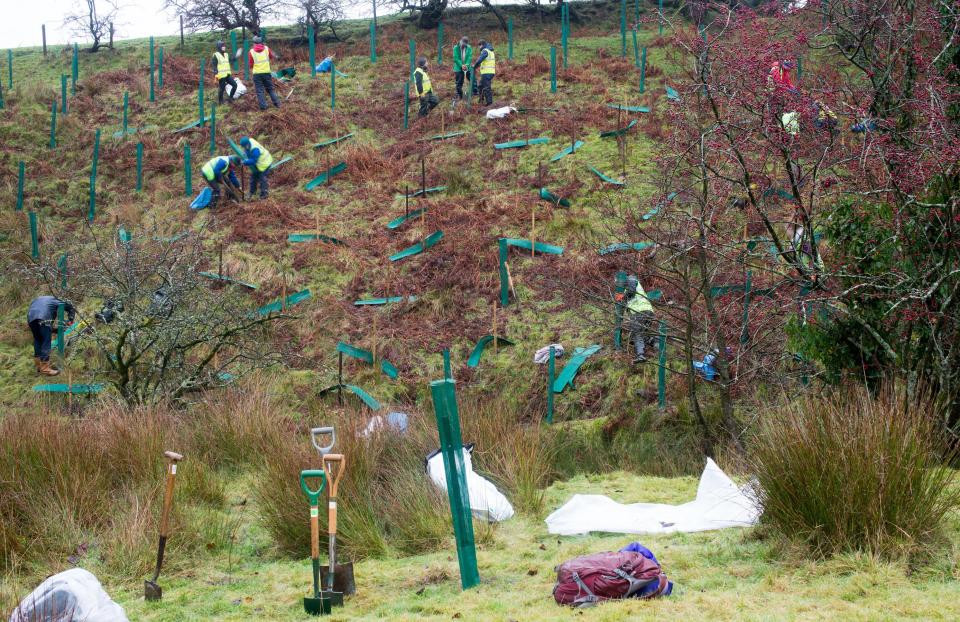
499, 113
241, 89
486, 502
720, 503
74, 595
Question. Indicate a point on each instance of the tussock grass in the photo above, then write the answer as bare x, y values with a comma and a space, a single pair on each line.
851, 472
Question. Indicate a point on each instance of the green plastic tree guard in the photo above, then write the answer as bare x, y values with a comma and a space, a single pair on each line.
565, 31
92, 212
551, 378
397, 222
406, 104
570, 370
662, 367
311, 39
413, 58
365, 397
139, 167
509, 38
546, 195
246, 55
540, 247
383, 301
333, 86
636, 49
447, 374
504, 276
451, 446
233, 51
605, 179
20, 178
482, 343
34, 240
419, 247
373, 42
423, 192
53, 124
623, 28
75, 70
61, 340
620, 131
566, 151
152, 73
440, 44
745, 332
200, 107
295, 238
643, 71
332, 141
126, 108
160, 70
624, 246
187, 172
553, 69
336, 169
75, 389
672, 94
226, 279
63, 93
278, 305
517, 144
629, 108
358, 353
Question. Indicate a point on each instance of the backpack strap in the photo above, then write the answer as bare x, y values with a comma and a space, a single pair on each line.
635, 584
589, 599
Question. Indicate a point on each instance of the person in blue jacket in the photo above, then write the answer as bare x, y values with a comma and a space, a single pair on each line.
259, 159
486, 65
42, 320
219, 170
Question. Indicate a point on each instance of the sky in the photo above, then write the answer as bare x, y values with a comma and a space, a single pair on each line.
22, 21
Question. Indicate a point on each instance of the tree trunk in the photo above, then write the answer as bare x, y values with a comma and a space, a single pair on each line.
489, 6
432, 13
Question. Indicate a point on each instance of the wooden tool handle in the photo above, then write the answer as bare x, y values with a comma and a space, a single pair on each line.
168, 493
314, 532
334, 474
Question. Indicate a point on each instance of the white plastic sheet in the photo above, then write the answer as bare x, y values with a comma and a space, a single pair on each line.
241, 89
486, 502
720, 503
499, 113
74, 595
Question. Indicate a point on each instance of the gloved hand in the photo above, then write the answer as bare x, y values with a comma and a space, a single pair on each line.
620, 297
249, 162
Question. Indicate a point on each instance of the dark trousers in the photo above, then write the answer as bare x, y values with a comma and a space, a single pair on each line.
427, 103
264, 82
223, 86
459, 76
259, 179
42, 336
486, 89
640, 326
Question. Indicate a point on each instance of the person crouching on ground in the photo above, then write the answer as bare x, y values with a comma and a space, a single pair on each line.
220, 170
42, 320
428, 99
259, 160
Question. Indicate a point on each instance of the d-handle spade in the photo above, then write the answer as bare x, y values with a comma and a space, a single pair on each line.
317, 433
334, 465
152, 591
317, 604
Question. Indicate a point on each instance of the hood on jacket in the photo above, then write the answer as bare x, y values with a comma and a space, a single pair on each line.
259, 47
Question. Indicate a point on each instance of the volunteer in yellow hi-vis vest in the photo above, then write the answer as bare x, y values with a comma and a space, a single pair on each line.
487, 65
428, 99
260, 57
219, 170
221, 65
259, 160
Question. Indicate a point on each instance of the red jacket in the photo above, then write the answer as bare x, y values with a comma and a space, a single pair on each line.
259, 47
780, 77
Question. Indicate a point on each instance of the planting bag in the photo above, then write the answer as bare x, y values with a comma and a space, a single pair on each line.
202, 200
241, 88
74, 595
486, 502
719, 504
590, 579
499, 113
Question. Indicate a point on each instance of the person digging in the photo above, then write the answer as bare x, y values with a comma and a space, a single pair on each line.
462, 57
221, 65
639, 319
487, 65
428, 99
42, 320
219, 171
259, 160
259, 61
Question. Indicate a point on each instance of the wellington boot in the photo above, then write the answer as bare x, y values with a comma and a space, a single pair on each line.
46, 369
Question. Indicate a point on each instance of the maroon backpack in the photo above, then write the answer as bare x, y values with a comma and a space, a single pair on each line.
604, 576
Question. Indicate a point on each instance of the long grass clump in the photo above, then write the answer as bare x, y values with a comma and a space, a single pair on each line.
854, 472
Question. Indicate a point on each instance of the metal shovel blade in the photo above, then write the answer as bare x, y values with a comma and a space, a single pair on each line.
317, 606
342, 579
152, 591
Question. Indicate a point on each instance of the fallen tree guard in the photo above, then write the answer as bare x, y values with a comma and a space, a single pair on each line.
365, 397
474, 359
515, 144
328, 174
629, 108
546, 195
442, 136
396, 222
624, 246
296, 238
227, 279
569, 372
606, 179
565, 152
419, 247
539, 247
74, 389
422, 192
278, 305
383, 301
619, 132
332, 141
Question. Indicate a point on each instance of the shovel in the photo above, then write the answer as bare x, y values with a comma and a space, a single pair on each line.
152, 591
317, 433
317, 604
334, 475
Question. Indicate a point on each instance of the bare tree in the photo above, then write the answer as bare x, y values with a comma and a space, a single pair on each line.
158, 327
94, 18
321, 14
226, 14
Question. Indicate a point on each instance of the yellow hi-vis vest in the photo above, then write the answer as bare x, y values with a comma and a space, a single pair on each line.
425, 78
223, 65
639, 302
261, 60
265, 159
207, 169
489, 64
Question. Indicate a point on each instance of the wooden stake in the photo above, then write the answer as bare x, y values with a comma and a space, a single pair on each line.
283, 296
494, 332
406, 201
533, 228
443, 124
423, 176
340, 381
220, 266
513, 290
328, 167
374, 348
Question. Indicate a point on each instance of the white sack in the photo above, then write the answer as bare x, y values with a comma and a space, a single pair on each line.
499, 113
75, 593
486, 502
241, 89
719, 504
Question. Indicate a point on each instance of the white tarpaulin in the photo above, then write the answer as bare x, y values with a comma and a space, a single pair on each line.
719, 504
486, 502
74, 595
